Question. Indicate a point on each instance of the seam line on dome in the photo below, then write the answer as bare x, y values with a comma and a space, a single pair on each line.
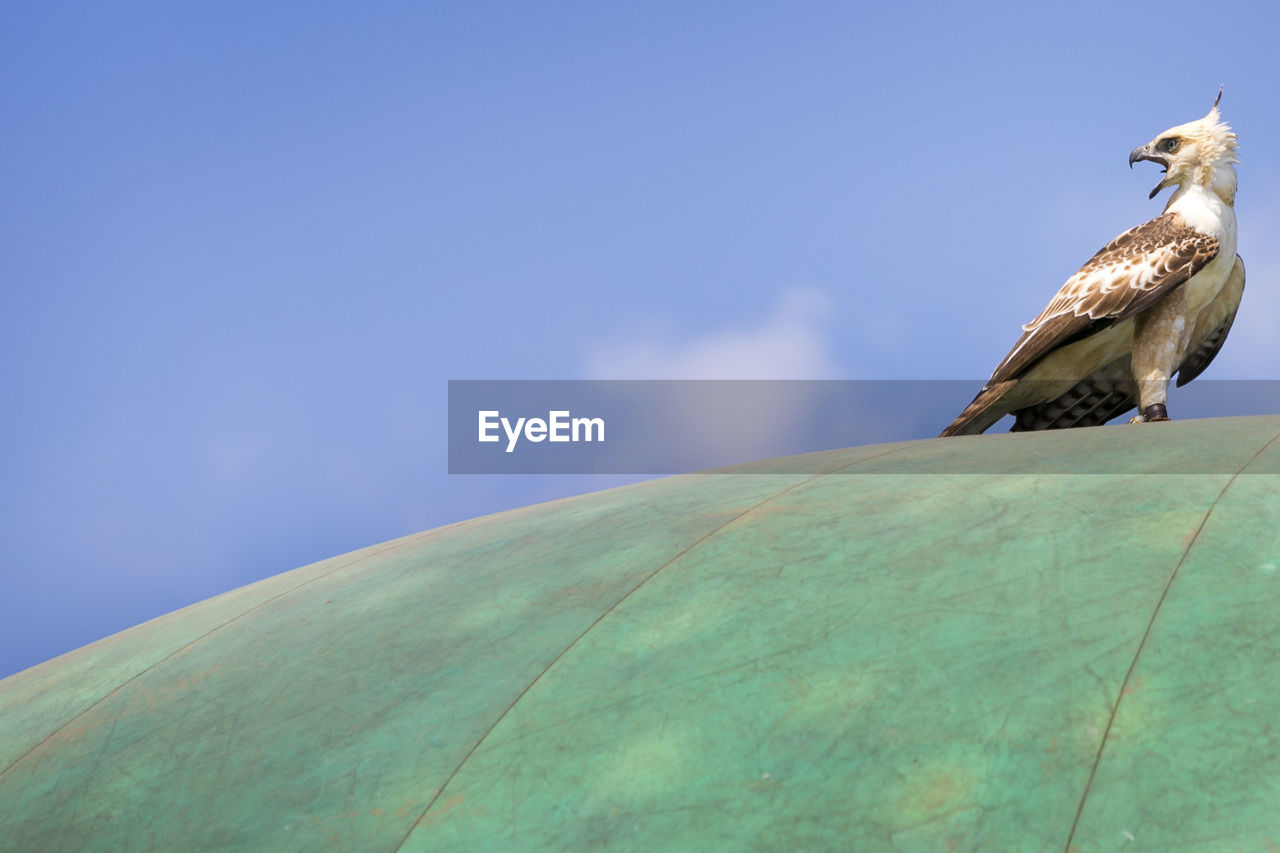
122, 685
573, 643
1133, 664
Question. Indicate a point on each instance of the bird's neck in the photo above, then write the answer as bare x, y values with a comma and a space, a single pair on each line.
1206, 211
1219, 181
1224, 184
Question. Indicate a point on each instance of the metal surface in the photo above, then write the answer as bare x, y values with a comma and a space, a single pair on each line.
872, 658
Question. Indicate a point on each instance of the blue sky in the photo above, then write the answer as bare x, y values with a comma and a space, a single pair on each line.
246, 245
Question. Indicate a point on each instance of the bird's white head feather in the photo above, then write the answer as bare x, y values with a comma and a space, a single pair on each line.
1198, 153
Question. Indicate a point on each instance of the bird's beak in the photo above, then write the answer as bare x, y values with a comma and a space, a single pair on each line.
1146, 152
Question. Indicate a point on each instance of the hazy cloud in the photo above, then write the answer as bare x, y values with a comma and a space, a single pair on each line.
791, 343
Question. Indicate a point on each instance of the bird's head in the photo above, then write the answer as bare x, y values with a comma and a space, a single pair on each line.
1199, 152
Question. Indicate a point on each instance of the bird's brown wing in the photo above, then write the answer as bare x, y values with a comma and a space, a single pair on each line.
1111, 391
1130, 273
1127, 275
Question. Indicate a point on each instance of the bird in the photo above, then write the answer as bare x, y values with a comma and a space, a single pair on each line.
1156, 301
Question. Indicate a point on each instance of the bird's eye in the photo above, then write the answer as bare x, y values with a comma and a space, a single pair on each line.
1169, 145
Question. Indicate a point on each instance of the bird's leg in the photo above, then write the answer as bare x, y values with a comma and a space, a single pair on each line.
1160, 337
1155, 412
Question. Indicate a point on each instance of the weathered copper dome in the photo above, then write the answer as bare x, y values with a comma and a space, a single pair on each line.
946, 644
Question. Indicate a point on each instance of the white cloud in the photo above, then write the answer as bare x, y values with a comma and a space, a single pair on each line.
789, 344
694, 430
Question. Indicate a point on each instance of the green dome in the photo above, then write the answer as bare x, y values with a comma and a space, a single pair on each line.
896, 653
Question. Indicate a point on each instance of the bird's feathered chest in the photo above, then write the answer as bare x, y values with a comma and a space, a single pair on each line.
1205, 212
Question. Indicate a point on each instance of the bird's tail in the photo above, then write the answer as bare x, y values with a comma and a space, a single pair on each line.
982, 412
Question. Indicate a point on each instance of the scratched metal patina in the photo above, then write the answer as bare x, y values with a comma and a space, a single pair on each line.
868, 649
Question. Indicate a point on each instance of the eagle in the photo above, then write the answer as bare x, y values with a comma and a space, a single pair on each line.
1156, 301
